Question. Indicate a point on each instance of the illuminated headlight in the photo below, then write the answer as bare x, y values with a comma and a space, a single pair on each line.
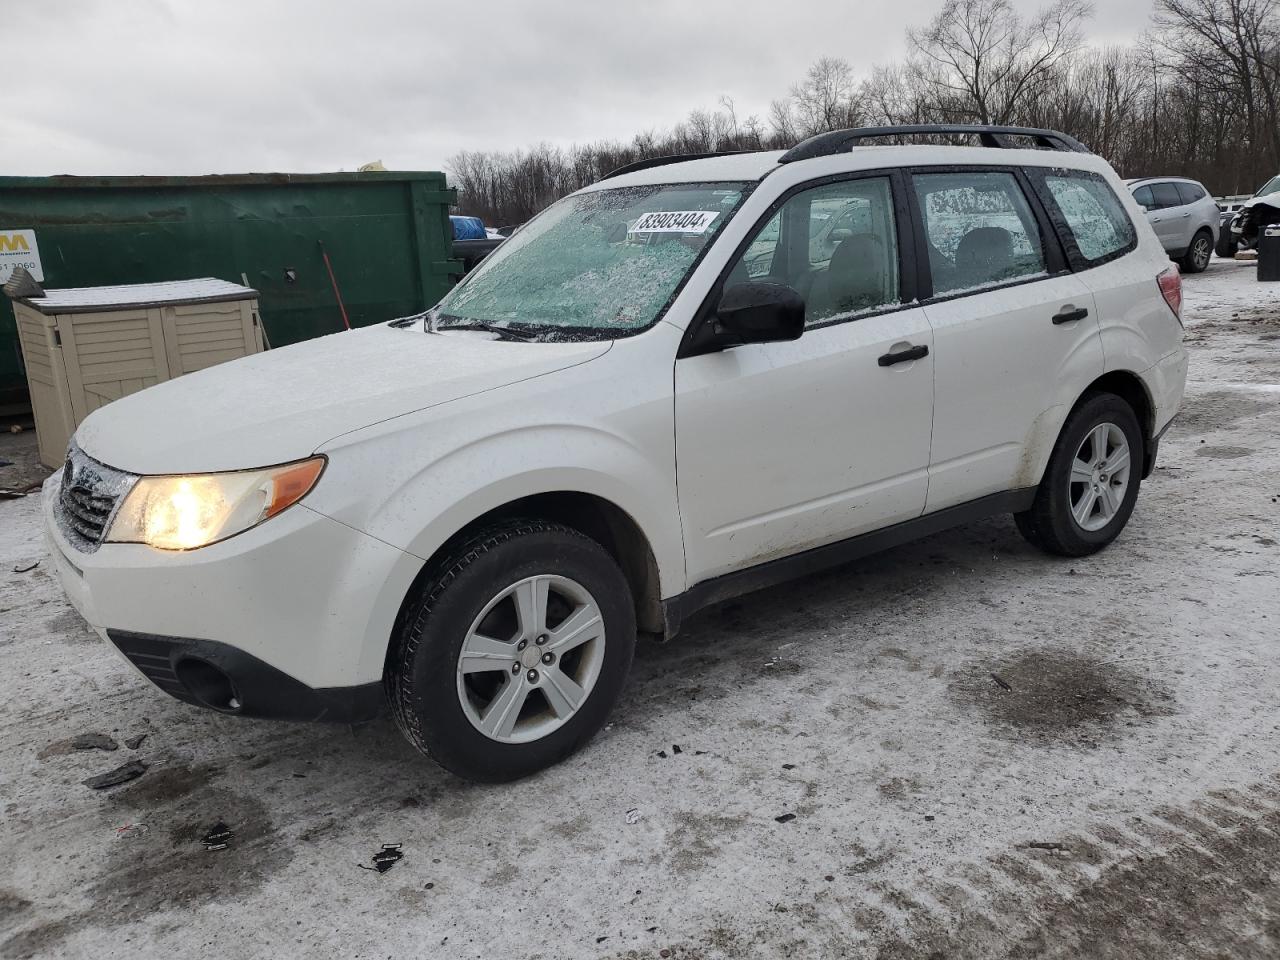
186, 512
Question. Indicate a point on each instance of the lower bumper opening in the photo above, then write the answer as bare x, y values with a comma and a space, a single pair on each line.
209, 686
224, 678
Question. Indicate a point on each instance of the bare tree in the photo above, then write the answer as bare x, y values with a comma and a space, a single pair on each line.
984, 61
1197, 98
1231, 43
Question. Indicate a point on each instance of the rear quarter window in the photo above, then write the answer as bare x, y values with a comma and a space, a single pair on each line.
1190, 192
1093, 223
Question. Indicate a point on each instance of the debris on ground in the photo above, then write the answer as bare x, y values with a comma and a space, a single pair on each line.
633, 816
1002, 683
20, 568
1053, 847
675, 748
21, 492
788, 766
82, 741
218, 838
386, 858
122, 774
785, 818
133, 743
131, 831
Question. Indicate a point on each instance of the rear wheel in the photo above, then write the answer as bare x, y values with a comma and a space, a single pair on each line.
513, 652
1091, 483
1198, 255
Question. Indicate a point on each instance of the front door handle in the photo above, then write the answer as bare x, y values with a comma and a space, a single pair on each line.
1069, 316
903, 356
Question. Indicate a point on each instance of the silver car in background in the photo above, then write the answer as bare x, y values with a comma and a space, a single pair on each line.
1184, 217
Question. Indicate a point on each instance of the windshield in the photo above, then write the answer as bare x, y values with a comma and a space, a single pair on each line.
1271, 186
596, 265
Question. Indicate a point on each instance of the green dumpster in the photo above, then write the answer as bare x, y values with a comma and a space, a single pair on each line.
386, 236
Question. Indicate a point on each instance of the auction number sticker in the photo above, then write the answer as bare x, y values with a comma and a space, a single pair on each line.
18, 249
675, 221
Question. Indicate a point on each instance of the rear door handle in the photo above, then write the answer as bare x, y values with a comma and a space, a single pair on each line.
1069, 316
903, 356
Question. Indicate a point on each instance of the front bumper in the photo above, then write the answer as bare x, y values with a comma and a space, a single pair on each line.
223, 678
294, 615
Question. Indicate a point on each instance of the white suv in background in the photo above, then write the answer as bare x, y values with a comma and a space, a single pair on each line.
1185, 218
689, 380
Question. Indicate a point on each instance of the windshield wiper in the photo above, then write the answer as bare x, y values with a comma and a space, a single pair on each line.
408, 321
509, 333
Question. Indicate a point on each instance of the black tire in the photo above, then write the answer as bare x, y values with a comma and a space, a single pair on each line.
1050, 524
421, 678
1227, 244
1199, 254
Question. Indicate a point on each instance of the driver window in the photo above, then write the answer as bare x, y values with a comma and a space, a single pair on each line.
837, 245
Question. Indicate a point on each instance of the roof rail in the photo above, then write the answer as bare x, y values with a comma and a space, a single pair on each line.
663, 161
839, 141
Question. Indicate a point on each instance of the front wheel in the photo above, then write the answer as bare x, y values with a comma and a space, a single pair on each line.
513, 652
1091, 483
1199, 254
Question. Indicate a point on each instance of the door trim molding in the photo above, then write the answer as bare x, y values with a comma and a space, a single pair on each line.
773, 572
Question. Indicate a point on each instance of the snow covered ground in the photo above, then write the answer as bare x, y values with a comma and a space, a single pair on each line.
1119, 799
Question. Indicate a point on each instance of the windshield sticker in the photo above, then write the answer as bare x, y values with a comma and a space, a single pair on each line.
675, 221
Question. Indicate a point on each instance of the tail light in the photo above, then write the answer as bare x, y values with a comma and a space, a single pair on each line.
1171, 289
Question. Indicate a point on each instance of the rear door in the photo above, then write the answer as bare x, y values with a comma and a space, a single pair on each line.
1170, 218
1015, 332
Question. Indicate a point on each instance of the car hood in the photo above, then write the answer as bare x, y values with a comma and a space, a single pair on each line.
1267, 200
284, 404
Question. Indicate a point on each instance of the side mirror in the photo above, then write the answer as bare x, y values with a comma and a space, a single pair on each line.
760, 312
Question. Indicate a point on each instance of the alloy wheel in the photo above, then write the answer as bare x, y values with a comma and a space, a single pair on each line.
1201, 252
531, 658
1100, 475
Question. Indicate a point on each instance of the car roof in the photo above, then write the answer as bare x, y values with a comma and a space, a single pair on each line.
757, 165
1140, 180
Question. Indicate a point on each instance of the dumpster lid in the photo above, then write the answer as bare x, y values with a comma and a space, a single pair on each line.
170, 292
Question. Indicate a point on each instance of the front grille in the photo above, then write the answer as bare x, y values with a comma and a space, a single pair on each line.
88, 498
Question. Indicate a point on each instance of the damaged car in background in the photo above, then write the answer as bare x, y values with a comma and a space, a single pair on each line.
1257, 214
692, 379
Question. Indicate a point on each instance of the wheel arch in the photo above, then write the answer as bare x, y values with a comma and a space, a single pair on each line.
591, 515
1130, 388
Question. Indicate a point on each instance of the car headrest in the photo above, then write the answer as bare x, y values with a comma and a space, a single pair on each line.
985, 250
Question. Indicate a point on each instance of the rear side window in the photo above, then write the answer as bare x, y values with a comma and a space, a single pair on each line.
1166, 195
1094, 223
1190, 192
980, 230
1145, 198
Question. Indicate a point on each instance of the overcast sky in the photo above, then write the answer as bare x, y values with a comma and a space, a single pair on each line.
219, 86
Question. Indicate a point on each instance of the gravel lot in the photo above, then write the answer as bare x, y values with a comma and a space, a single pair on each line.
1119, 799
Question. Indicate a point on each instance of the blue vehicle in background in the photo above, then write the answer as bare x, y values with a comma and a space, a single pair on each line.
472, 240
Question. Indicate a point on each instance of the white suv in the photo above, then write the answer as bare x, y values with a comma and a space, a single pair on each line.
684, 382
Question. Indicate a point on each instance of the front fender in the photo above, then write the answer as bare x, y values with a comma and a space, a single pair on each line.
416, 481
562, 458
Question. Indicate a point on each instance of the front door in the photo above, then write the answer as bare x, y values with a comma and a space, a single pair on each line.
786, 446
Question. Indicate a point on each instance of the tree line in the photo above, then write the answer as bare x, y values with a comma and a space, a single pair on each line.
1198, 95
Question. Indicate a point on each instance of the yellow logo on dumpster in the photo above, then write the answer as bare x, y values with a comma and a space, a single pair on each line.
19, 248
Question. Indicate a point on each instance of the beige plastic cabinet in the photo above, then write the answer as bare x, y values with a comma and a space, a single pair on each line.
84, 347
